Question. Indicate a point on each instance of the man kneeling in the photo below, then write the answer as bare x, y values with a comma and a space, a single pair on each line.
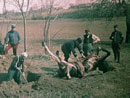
17, 68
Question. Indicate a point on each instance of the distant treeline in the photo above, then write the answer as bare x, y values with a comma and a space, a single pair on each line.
91, 11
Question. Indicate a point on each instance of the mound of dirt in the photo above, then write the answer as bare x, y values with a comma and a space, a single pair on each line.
13, 90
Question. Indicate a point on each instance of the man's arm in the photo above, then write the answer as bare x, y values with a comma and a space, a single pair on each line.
73, 49
81, 51
18, 37
121, 38
112, 36
6, 38
95, 38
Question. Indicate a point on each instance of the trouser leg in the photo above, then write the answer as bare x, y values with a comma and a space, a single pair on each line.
15, 49
90, 48
7, 49
17, 77
114, 51
118, 52
115, 55
118, 57
66, 57
11, 74
66, 54
85, 50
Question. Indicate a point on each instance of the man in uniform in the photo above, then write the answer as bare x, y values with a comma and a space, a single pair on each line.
117, 39
12, 40
89, 40
70, 46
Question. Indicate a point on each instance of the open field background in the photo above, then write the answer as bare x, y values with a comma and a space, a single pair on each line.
64, 29
43, 82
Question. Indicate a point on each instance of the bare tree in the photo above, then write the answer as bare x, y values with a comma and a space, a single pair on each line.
47, 7
126, 7
4, 19
23, 6
2, 22
119, 7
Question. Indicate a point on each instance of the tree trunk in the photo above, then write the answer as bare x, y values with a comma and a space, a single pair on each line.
48, 33
24, 22
25, 48
128, 29
45, 34
127, 14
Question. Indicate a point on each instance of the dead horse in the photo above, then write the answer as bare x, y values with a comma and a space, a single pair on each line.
66, 69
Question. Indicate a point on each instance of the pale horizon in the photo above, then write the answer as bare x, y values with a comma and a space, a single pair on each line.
36, 4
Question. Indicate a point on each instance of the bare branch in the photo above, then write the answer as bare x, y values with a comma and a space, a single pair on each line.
22, 4
4, 6
28, 3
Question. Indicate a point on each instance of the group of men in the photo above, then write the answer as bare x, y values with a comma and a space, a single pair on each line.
90, 54
88, 47
16, 68
90, 59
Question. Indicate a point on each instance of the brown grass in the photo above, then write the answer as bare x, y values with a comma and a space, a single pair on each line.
110, 85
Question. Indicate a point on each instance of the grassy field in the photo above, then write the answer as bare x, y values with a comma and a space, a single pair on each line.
113, 84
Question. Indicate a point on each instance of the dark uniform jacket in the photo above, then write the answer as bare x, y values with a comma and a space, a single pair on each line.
116, 37
88, 39
17, 62
12, 37
70, 46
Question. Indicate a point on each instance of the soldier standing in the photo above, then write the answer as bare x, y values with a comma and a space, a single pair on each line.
12, 40
117, 39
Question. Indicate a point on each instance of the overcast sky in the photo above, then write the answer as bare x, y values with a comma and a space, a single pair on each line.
37, 4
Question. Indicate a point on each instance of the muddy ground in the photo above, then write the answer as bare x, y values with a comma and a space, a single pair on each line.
41, 70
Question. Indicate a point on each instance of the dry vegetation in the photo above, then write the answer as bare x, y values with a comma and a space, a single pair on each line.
41, 70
